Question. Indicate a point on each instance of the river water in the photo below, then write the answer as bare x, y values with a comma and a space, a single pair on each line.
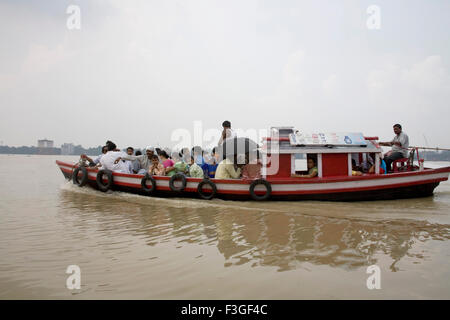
135, 247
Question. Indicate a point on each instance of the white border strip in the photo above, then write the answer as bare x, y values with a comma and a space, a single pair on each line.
297, 186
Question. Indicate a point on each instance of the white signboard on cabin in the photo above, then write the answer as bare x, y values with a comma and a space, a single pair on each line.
333, 138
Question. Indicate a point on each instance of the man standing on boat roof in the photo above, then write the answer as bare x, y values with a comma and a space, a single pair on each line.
399, 144
227, 132
145, 160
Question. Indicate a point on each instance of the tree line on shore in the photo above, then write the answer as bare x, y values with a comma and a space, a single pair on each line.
77, 150
435, 155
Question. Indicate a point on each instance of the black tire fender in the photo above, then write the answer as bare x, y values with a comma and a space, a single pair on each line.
208, 195
144, 184
104, 187
84, 178
175, 177
268, 189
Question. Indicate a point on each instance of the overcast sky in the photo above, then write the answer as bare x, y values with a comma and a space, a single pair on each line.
138, 71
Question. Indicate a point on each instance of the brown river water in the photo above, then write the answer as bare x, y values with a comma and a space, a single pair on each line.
135, 247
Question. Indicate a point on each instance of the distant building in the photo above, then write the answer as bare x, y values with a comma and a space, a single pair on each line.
45, 143
67, 148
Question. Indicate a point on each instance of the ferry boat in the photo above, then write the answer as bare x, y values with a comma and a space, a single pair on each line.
282, 154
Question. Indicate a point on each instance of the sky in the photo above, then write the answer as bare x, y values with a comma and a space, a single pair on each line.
168, 72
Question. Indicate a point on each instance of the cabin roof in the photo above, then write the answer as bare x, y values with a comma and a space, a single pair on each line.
300, 142
294, 150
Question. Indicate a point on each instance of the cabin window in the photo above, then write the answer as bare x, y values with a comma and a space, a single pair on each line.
362, 161
356, 161
301, 162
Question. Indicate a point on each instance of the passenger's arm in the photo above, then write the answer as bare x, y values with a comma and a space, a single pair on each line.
160, 171
169, 169
128, 157
309, 175
234, 173
87, 158
294, 175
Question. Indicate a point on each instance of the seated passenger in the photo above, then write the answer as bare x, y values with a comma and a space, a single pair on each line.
194, 170
367, 162
130, 151
136, 164
156, 168
210, 166
356, 163
312, 170
185, 155
400, 145
108, 161
252, 167
179, 167
355, 169
166, 161
197, 153
227, 169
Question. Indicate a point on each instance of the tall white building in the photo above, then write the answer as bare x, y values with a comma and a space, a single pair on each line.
45, 143
67, 148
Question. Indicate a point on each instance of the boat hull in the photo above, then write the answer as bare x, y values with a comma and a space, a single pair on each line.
372, 187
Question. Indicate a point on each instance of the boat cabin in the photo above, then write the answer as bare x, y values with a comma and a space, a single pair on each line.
286, 151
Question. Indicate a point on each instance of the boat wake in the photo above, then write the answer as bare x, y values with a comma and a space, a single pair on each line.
169, 202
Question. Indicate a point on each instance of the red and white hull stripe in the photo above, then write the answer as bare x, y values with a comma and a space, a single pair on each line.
290, 186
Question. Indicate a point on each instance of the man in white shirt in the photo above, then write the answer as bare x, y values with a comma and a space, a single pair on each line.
399, 144
108, 161
96, 161
227, 132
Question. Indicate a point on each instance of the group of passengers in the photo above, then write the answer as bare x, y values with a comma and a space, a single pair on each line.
155, 161
194, 162
197, 163
367, 165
